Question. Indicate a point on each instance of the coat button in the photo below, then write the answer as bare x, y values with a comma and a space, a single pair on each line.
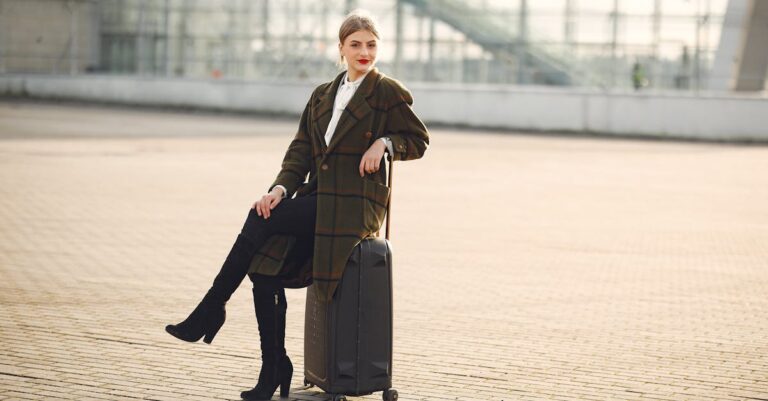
368, 134
324, 167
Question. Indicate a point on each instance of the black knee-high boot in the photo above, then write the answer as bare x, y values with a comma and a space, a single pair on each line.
210, 313
276, 368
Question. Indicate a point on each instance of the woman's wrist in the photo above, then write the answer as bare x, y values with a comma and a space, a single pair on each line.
382, 145
387, 144
278, 190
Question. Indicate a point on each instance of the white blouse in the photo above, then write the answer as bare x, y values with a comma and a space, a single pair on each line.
344, 93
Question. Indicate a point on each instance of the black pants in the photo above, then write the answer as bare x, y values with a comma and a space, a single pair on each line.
292, 217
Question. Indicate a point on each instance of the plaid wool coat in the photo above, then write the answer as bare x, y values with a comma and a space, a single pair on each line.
349, 207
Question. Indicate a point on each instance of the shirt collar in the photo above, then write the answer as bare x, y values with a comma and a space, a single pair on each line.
355, 83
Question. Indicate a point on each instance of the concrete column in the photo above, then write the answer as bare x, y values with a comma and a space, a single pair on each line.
754, 56
742, 56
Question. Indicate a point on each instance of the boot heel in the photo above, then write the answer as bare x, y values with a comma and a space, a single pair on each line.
287, 372
285, 387
209, 336
215, 326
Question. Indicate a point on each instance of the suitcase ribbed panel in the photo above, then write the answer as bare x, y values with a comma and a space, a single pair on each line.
348, 342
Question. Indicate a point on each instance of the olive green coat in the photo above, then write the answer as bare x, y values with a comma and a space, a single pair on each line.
349, 207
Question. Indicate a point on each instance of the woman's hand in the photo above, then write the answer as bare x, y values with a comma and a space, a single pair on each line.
372, 158
268, 202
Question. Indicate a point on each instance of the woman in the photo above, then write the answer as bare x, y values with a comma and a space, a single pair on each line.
332, 167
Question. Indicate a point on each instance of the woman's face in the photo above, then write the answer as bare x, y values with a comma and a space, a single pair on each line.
359, 51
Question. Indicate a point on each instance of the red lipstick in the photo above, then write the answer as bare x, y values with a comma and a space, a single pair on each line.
362, 61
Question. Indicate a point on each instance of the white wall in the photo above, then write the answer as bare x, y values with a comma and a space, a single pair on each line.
680, 115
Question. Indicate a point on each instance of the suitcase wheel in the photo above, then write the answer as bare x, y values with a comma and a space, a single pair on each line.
389, 395
307, 384
339, 397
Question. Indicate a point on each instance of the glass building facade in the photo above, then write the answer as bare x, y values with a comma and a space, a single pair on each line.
661, 44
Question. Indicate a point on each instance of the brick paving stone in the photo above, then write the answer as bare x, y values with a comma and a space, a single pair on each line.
526, 267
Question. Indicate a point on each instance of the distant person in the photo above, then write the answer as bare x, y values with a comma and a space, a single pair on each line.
332, 167
639, 79
683, 76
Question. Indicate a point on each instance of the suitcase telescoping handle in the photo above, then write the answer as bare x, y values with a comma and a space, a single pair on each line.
389, 201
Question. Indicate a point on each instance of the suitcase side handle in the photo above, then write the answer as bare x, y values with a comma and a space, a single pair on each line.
389, 184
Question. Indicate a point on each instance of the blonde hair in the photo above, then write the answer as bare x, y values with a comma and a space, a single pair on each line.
357, 20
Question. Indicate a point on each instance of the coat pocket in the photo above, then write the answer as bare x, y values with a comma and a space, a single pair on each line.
376, 198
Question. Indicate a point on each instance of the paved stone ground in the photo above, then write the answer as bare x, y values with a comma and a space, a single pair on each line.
526, 267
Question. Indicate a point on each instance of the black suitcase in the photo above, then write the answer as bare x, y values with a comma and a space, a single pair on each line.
348, 341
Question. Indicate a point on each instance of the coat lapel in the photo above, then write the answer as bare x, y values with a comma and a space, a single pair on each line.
356, 110
324, 109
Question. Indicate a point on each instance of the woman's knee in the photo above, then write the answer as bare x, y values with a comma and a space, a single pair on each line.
265, 284
254, 224
263, 279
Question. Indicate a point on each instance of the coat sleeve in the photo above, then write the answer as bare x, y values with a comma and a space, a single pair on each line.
298, 158
409, 136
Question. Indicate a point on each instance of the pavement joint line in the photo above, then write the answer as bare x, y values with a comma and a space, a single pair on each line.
107, 339
22, 376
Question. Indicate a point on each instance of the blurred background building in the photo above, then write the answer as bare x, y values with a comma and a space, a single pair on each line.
554, 42
650, 46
